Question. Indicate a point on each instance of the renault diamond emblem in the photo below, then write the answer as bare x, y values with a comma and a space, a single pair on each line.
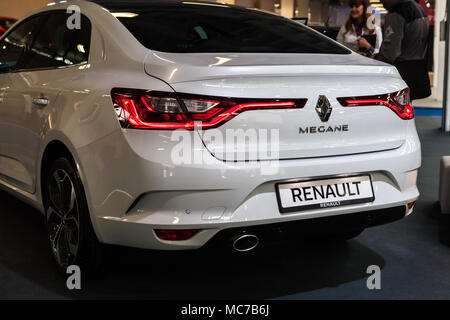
323, 108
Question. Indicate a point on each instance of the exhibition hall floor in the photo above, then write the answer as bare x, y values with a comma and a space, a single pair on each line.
414, 256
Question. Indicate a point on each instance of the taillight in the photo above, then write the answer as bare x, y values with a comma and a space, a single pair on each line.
140, 109
176, 235
398, 102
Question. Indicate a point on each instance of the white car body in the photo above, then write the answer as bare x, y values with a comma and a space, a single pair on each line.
131, 183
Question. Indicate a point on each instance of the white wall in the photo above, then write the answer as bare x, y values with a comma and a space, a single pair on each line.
18, 8
439, 52
316, 11
268, 5
287, 8
303, 8
243, 3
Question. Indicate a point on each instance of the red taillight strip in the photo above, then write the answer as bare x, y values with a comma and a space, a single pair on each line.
234, 111
136, 123
128, 100
176, 235
405, 112
365, 102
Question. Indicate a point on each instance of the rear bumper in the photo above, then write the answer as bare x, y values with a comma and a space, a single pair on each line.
213, 211
140, 190
143, 236
138, 231
315, 227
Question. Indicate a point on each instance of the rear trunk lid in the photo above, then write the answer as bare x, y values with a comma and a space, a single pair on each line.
289, 133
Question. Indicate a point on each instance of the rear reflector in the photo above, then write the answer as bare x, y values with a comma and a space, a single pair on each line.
411, 204
175, 235
398, 102
140, 109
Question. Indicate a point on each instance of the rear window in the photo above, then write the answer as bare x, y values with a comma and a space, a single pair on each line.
197, 28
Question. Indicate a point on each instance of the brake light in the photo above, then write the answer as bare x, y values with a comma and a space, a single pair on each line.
139, 109
398, 102
175, 235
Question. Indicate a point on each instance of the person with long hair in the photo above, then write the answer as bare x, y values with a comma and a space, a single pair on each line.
359, 24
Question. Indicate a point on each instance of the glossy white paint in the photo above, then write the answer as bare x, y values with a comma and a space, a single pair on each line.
182, 67
131, 183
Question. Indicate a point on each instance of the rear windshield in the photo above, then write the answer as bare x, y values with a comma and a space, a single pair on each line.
197, 28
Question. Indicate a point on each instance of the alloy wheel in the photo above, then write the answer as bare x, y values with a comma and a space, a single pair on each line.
63, 218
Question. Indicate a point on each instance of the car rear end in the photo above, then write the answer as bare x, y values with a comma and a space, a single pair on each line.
252, 136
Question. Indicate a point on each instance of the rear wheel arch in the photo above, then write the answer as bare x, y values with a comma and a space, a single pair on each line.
72, 238
54, 150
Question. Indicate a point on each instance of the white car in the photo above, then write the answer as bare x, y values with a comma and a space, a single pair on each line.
172, 125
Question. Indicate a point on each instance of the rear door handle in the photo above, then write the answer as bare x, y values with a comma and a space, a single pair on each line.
41, 101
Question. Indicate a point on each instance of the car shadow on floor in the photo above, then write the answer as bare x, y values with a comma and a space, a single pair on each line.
444, 224
275, 270
433, 211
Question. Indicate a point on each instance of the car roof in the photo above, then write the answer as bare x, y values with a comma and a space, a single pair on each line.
144, 2
148, 3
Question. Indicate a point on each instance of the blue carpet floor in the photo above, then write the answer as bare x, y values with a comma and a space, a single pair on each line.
430, 112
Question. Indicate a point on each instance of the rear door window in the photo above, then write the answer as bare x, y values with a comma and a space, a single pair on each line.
58, 46
17, 41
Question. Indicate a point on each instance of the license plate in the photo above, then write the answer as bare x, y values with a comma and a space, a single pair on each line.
324, 193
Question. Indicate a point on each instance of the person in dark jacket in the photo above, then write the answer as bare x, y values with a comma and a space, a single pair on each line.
405, 44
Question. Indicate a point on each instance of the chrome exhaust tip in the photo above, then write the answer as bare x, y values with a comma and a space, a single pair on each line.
245, 242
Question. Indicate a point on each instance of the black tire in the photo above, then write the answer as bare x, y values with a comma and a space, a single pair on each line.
69, 228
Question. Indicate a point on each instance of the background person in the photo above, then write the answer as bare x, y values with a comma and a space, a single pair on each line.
357, 25
405, 44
